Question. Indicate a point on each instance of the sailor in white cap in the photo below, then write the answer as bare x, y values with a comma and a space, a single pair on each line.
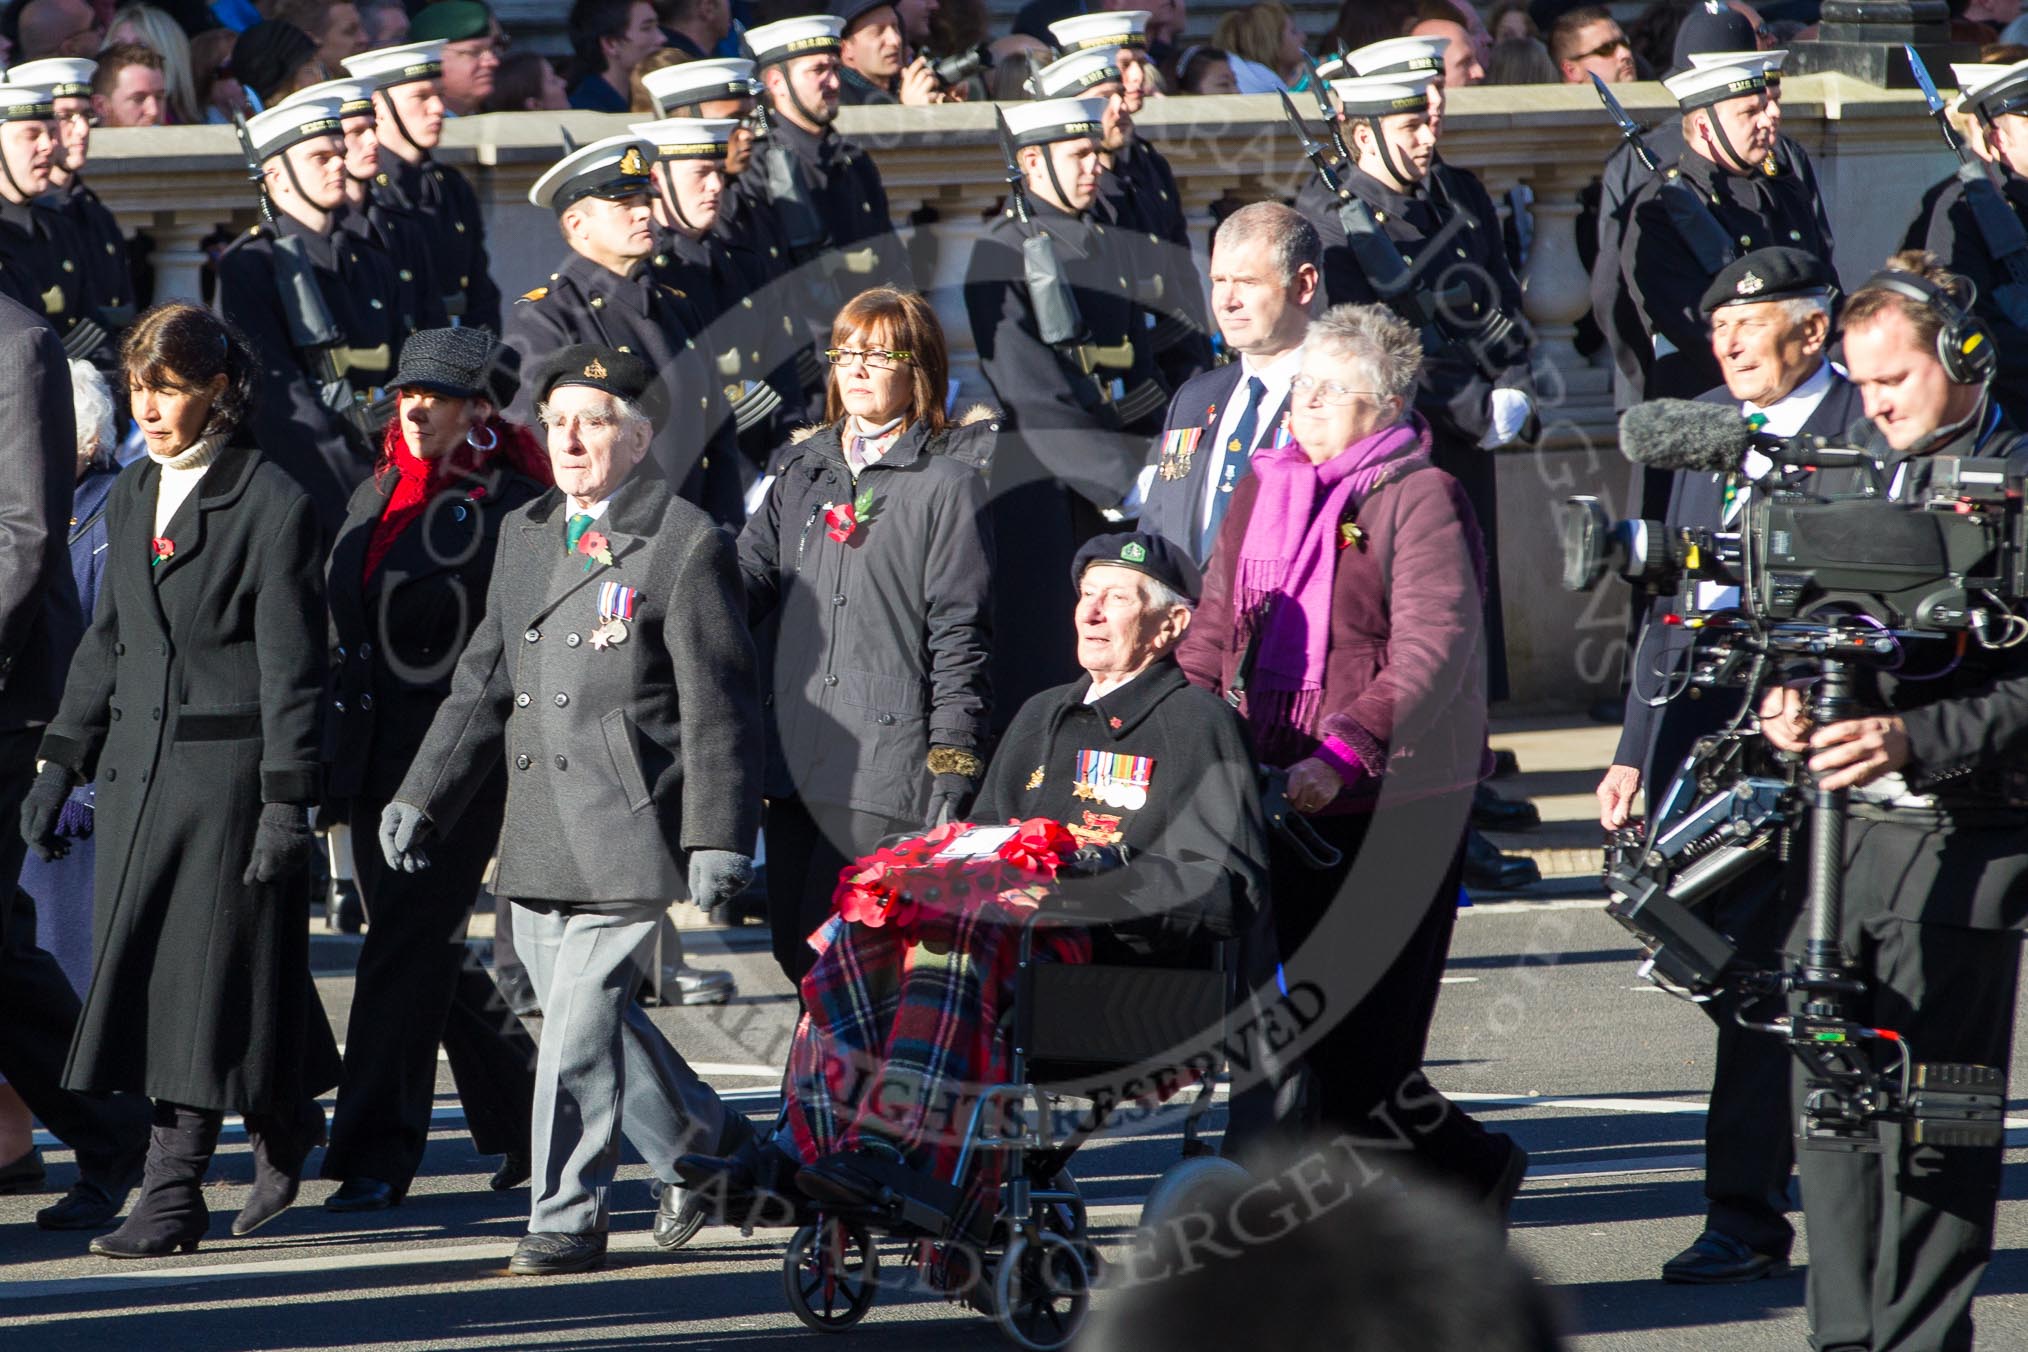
605, 292
825, 191
409, 123
690, 190
1974, 237
1137, 188
315, 409
402, 237
104, 257
1726, 195
746, 226
38, 247
1711, 31
1071, 368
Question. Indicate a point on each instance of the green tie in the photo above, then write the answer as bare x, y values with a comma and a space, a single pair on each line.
579, 524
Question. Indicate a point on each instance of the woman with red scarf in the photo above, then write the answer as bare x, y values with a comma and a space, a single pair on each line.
1342, 609
407, 583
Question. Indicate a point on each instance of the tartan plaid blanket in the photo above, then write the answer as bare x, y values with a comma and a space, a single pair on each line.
903, 1027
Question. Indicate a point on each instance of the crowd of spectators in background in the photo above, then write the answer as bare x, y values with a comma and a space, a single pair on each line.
185, 61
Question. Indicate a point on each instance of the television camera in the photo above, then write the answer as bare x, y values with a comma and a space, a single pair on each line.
1835, 567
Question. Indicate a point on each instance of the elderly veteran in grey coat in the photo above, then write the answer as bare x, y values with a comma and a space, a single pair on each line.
614, 672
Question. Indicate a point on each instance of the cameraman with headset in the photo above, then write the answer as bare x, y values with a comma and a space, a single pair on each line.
1936, 859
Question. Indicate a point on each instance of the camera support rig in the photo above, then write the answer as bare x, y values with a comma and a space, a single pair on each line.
1698, 846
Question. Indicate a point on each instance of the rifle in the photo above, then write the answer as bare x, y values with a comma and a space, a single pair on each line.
787, 192
1709, 244
1999, 228
1398, 284
1325, 110
312, 331
1057, 318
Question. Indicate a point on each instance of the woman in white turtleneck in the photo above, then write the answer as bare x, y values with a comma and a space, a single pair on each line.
871, 551
193, 702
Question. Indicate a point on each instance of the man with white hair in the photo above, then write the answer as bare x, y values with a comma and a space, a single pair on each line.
615, 673
1770, 317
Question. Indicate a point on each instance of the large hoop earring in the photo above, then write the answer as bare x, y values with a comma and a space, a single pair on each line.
492, 438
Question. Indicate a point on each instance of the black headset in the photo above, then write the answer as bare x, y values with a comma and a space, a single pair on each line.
1963, 344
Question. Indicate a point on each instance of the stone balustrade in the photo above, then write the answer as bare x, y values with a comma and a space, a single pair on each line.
1875, 151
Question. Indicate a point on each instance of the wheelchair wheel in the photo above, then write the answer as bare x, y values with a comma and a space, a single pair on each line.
831, 1274
1183, 1187
1041, 1292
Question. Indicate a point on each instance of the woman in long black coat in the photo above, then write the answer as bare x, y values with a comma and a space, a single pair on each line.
877, 684
193, 703
407, 584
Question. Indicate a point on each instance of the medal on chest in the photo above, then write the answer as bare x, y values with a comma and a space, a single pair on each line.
1114, 779
1178, 448
616, 607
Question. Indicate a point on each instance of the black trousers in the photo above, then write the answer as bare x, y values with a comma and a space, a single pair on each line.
1371, 937
39, 1010
1477, 472
1900, 1239
419, 986
1749, 1130
807, 844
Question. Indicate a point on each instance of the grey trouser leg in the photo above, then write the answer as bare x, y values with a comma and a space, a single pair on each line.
602, 1069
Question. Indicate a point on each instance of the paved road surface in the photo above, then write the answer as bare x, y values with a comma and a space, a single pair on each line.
1544, 1029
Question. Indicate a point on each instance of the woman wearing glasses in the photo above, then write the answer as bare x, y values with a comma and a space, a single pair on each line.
871, 558
1341, 611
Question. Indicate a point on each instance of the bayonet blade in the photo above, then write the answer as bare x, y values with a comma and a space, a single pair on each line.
1612, 105
1922, 80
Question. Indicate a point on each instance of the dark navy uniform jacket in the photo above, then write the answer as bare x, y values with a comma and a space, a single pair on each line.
39, 253
1953, 235
1454, 393
1064, 454
1667, 280
443, 202
1139, 198
586, 302
738, 335
295, 428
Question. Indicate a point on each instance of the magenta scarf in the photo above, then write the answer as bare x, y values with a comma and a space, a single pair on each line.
1288, 562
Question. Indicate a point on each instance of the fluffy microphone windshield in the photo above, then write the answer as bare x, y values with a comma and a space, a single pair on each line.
1681, 434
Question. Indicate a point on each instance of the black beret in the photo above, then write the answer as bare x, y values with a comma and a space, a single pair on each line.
621, 374
457, 362
1150, 554
1768, 274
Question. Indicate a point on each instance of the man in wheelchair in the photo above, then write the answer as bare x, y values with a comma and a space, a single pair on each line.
1162, 855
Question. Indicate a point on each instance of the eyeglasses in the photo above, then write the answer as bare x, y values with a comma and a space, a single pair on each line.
876, 358
1330, 391
1609, 47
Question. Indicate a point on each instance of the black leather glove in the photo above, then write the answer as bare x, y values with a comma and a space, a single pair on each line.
955, 775
282, 844
403, 828
41, 808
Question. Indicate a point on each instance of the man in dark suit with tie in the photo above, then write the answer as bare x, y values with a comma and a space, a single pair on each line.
1769, 314
39, 626
1263, 279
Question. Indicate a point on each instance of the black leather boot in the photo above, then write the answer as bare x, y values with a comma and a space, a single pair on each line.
171, 1216
279, 1152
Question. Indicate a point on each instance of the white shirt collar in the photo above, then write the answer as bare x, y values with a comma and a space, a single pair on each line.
595, 511
1786, 416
